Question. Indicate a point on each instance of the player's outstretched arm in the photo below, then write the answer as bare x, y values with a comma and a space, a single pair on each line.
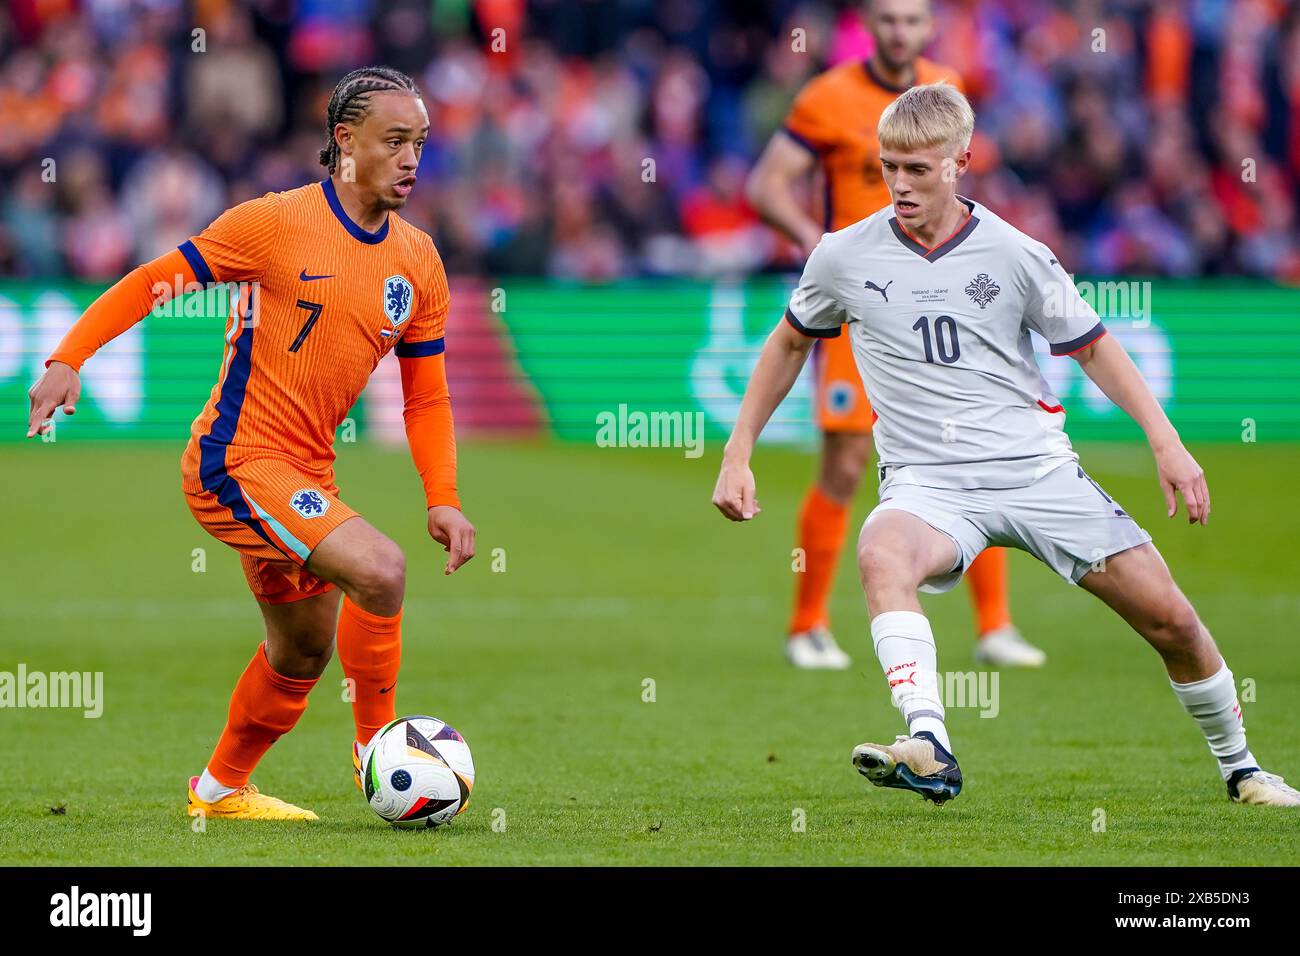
778, 367
118, 308
431, 434
1107, 364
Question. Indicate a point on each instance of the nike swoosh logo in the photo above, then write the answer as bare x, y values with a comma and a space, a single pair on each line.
306, 278
385, 690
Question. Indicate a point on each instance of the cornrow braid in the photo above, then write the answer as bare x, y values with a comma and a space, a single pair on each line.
351, 99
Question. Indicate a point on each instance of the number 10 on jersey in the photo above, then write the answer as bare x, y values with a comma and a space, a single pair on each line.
944, 336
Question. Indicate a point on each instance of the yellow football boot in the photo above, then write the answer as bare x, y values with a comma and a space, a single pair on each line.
246, 803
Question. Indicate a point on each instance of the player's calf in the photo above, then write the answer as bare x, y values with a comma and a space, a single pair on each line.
371, 570
1137, 584
300, 634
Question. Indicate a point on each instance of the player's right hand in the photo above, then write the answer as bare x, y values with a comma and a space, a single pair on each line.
734, 493
1180, 475
60, 386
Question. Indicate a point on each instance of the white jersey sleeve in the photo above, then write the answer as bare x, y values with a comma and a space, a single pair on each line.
814, 308
1053, 307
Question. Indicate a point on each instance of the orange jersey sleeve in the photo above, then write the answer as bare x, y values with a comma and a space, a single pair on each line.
238, 244
430, 430
122, 305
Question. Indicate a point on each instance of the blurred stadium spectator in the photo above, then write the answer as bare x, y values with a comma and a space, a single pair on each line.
1152, 137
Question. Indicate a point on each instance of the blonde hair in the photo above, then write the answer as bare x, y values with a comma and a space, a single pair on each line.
933, 114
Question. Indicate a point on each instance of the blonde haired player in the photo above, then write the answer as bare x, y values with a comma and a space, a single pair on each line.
972, 446
832, 127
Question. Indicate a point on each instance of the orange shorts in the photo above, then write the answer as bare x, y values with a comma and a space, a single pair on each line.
274, 514
842, 404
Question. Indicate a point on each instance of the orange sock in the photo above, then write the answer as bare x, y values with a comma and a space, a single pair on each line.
370, 650
264, 706
822, 526
988, 589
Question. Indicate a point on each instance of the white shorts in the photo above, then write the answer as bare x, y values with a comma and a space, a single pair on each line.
1064, 519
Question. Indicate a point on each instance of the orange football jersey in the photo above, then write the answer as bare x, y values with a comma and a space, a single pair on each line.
835, 116
323, 301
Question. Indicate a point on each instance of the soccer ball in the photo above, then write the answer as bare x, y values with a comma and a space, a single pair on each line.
418, 773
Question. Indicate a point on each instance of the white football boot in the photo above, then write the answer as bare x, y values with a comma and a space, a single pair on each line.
917, 763
816, 649
1006, 648
1252, 785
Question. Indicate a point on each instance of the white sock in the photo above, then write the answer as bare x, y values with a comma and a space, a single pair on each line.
905, 648
209, 789
1212, 703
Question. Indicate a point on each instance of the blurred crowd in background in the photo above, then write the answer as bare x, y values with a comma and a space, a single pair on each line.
1166, 144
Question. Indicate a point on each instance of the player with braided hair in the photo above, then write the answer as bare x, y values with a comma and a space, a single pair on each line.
330, 280
351, 100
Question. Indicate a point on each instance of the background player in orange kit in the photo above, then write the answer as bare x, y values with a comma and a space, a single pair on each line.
330, 279
832, 125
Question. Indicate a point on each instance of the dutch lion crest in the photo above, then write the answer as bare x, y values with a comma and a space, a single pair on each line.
397, 299
309, 503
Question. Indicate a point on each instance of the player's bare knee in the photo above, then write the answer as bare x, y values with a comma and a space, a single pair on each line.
380, 579
1178, 628
882, 561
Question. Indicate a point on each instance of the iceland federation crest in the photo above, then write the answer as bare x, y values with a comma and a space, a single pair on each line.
309, 503
397, 299
983, 290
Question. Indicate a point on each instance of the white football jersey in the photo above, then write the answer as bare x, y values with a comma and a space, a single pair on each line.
941, 338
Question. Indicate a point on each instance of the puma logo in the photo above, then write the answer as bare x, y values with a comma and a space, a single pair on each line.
875, 288
909, 679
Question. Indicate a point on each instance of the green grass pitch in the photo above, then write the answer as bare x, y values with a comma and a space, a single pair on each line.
618, 571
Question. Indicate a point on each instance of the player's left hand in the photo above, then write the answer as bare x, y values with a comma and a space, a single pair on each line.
1180, 474
452, 530
58, 387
